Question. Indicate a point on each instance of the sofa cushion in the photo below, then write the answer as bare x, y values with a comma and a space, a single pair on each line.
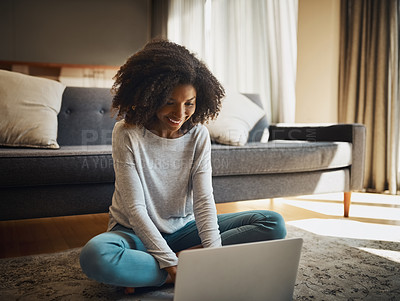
67, 165
279, 157
236, 119
29, 106
93, 163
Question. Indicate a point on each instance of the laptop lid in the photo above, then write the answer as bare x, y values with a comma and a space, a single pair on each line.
252, 271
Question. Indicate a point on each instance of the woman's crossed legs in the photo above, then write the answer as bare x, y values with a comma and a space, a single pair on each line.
119, 257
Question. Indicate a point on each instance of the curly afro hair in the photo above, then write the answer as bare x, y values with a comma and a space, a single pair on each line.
144, 83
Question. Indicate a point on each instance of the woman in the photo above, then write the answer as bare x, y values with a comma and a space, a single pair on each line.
163, 200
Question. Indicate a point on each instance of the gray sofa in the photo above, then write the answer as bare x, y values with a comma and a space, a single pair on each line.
78, 178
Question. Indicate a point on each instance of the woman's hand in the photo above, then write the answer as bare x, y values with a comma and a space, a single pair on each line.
191, 248
172, 270
171, 274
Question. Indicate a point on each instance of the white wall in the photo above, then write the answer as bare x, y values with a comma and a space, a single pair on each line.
317, 61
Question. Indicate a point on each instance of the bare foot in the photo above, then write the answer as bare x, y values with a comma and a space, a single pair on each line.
171, 274
129, 290
169, 279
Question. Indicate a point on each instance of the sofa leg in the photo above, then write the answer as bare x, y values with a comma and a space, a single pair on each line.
347, 201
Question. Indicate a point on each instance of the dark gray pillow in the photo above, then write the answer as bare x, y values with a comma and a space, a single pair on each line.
257, 132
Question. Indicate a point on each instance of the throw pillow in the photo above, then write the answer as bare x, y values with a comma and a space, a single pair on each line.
237, 117
260, 132
28, 107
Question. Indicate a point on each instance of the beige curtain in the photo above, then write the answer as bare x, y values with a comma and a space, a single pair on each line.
394, 100
369, 84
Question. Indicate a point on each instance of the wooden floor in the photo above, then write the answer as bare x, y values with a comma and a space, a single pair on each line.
378, 213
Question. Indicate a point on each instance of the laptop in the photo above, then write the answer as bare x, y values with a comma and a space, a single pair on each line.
243, 272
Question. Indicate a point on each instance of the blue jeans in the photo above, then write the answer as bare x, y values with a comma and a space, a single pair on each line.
119, 257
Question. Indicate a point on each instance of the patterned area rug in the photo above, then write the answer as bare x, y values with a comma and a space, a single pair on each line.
330, 269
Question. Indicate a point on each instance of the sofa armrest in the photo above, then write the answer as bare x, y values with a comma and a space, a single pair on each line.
352, 133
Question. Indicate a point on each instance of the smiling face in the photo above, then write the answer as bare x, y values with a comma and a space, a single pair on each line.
180, 106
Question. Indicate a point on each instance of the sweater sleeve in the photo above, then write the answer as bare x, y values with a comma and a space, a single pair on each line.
132, 201
203, 199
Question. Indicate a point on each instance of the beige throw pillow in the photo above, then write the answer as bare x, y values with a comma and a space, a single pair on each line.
28, 110
237, 117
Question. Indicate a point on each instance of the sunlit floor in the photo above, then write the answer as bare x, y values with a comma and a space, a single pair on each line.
372, 217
